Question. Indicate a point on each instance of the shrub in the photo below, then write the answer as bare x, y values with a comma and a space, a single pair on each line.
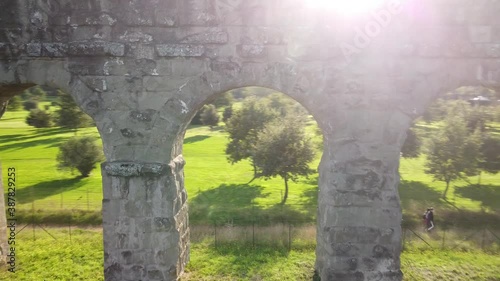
209, 116
30, 104
225, 99
70, 115
197, 118
15, 103
79, 153
228, 112
39, 119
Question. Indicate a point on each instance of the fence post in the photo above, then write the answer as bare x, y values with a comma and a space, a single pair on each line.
88, 202
253, 225
215, 234
482, 239
444, 234
253, 234
403, 241
33, 218
69, 229
289, 236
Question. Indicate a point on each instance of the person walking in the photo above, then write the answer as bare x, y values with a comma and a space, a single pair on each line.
429, 217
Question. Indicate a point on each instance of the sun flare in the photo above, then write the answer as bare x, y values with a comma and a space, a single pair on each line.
347, 7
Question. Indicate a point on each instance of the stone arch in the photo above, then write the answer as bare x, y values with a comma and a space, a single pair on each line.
243, 182
18, 76
141, 70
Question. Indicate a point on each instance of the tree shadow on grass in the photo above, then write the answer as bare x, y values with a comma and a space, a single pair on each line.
233, 204
35, 133
27, 144
488, 195
7, 138
250, 263
411, 191
46, 189
310, 197
225, 202
194, 139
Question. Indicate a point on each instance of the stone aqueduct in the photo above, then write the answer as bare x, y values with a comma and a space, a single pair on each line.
141, 69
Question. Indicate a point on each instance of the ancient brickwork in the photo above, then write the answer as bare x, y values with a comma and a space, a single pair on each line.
142, 68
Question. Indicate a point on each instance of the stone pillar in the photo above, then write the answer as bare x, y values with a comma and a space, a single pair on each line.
359, 213
145, 221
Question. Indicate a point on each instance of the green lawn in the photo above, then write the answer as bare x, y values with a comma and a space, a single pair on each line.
222, 196
215, 187
80, 257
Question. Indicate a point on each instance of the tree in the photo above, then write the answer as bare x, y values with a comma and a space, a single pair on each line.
436, 111
224, 99
39, 119
490, 151
284, 105
477, 118
284, 150
197, 118
411, 146
228, 112
70, 115
15, 103
243, 128
30, 104
453, 153
79, 153
210, 116
37, 93
240, 93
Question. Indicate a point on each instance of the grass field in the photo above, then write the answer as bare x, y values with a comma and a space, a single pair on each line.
80, 258
215, 187
54, 194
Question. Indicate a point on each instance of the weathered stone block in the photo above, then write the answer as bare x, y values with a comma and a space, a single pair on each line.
166, 13
141, 51
135, 35
189, 67
98, 48
203, 37
10, 34
252, 51
261, 35
91, 19
132, 169
161, 34
179, 50
82, 33
113, 272
231, 69
54, 49
91, 66
60, 34
480, 34
135, 272
34, 49
198, 13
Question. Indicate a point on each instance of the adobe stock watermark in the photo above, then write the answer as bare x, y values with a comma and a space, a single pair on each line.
364, 36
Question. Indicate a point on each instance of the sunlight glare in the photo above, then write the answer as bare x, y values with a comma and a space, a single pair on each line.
347, 7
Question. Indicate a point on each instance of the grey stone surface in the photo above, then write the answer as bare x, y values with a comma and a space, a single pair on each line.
141, 69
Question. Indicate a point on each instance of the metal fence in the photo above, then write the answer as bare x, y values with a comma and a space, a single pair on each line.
298, 237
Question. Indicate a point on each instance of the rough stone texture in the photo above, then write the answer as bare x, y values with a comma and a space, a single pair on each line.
145, 221
141, 69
